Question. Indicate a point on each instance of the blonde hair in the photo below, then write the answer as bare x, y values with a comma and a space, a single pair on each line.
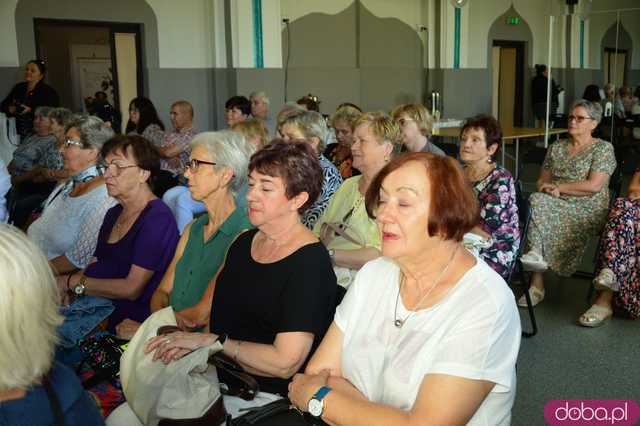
346, 114
383, 127
417, 113
253, 128
28, 311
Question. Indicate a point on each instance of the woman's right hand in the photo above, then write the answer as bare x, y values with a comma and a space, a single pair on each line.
173, 346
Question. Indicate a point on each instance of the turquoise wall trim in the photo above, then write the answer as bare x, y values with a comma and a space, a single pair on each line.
258, 51
456, 39
581, 43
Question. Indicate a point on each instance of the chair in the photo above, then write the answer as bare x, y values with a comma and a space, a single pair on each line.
524, 215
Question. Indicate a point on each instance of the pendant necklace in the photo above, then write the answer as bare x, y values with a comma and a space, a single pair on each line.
399, 322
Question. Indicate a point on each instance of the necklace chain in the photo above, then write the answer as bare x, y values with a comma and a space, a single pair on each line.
399, 322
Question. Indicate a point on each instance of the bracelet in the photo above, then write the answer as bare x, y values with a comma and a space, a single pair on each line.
69, 280
235, 354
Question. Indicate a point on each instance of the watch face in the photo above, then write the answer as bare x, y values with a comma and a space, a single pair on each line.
315, 407
79, 289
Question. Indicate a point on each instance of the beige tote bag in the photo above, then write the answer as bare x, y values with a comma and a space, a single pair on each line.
183, 389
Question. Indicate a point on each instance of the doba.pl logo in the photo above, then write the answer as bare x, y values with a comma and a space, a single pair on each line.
591, 412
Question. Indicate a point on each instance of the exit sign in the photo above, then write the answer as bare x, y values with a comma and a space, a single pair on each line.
513, 20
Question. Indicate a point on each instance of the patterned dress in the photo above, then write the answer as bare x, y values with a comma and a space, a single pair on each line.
332, 181
499, 213
620, 252
561, 227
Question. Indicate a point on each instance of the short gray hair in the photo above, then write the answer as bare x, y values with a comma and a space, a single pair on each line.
61, 115
260, 94
93, 131
28, 311
311, 124
42, 111
228, 149
594, 109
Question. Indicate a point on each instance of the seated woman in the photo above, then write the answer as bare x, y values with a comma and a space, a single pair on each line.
144, 121
310, 127
203, 246
480, 139
67, 229
254, 130
416, 125
424, 325
573, 199
31, 382
343, 122
276, 293
618, 281
349, 234
35, 152
137, 239
60, 119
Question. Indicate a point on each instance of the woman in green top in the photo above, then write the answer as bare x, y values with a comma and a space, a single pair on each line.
349, 234
216, 171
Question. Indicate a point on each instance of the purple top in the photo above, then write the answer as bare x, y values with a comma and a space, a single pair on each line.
149, 244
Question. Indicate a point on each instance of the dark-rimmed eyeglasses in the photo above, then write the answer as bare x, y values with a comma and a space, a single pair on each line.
193, 164
578, 118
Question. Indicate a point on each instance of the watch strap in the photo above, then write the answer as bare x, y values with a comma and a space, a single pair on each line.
321, 393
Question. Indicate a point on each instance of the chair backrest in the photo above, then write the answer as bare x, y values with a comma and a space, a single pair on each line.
524, 216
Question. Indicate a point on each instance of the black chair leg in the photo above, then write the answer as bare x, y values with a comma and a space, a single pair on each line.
526, 283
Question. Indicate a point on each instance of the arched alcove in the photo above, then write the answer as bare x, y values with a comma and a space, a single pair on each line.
621, 43
354, 56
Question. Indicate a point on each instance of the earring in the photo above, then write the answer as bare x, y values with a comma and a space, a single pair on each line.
489, 160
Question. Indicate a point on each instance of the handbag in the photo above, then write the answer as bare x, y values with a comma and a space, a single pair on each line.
184, 392
101, 353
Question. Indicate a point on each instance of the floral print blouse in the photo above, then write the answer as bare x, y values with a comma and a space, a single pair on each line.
499, 217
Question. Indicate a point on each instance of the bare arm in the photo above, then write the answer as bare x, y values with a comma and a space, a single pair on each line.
61, 265
171, 150
430, 407
355, 259
634, 186
594, 184
160, 298
129, 288
544, 178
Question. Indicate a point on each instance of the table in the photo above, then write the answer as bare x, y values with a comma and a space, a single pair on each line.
509, 135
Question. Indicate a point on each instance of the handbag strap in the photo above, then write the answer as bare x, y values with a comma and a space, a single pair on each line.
54, 402
339, 228
247, 387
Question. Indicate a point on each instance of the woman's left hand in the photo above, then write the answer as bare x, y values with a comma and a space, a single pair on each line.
304, 386
173, 346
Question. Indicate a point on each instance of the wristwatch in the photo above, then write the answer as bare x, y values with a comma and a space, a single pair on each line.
80, 288
316, 403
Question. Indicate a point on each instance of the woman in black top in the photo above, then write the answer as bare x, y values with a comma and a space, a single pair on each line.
275, 295
25, 97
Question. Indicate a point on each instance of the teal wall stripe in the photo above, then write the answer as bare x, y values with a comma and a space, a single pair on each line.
258, 51
582, 43
456, 39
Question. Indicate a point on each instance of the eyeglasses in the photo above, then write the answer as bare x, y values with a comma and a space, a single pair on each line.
114, 168
194, 163
70, 142
404, 121
577, 118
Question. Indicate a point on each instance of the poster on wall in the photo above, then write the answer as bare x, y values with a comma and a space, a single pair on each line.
95, 76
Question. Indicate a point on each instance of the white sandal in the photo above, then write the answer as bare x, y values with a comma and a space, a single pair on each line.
535, 294
595, 316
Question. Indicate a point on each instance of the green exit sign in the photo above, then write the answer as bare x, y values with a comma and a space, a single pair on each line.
513, 20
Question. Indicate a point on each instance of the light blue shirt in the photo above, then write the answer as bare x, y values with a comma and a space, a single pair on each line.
5, 186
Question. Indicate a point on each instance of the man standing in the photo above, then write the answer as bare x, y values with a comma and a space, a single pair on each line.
260, 110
